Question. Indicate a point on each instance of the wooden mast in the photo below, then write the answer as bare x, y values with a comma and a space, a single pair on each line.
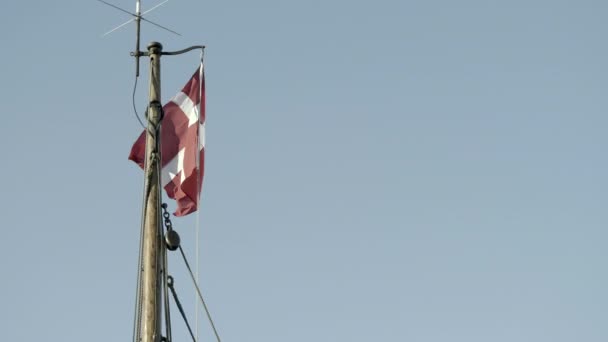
152, 274
150, 328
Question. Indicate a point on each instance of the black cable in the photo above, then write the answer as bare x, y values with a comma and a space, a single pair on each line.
179, 306
135, 108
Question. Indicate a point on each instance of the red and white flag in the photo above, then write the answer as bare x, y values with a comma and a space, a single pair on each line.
182, 130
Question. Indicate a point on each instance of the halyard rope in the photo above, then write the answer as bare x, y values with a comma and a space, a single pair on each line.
200, 295
198, 186
179, 307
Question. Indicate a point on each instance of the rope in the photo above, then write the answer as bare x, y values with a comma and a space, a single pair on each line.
200, 295
179, 306
165, 271
138, 294
197, 249
198, 186
137, 314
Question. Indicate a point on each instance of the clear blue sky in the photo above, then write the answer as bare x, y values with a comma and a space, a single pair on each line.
423, 171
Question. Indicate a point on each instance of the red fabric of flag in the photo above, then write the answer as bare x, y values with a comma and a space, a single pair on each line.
182, 139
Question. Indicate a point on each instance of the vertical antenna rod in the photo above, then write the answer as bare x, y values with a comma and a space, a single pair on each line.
150, 330
137, 25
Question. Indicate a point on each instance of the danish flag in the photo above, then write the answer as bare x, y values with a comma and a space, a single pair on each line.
182, 139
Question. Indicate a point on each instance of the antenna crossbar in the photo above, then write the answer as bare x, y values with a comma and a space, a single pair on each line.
133, 19
137, 16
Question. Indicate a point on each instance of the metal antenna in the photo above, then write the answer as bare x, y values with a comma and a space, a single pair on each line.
137, 17
133, 19
138, 26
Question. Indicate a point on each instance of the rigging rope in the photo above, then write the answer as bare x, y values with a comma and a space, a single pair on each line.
197, 248
200, 295
165, 271
179, 306
137, 311
196, 305
198, 186
138, 304
169, 226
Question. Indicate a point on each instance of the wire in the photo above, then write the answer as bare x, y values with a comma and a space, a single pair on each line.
161, 26
138, 292
134, 107
137, 314
165, 282
198, 186
200, 295
197, 243
118, 8
179, 306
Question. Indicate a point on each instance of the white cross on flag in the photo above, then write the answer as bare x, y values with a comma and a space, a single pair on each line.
182, 129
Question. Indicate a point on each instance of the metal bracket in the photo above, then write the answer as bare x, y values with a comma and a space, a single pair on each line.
169, 53
179, 52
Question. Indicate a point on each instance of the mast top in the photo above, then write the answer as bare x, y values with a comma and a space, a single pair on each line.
153, 45
137, 17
